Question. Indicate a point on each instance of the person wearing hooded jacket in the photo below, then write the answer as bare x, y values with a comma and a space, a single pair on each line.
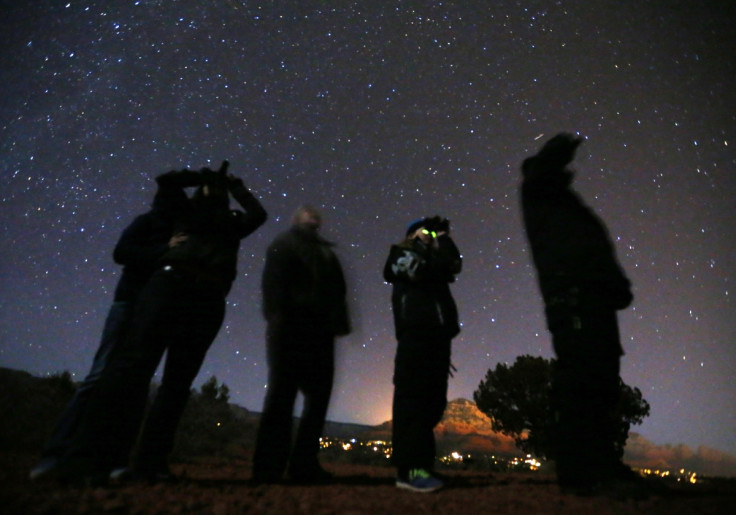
180, 311
305, 307
139, 248
583, 286
421, 269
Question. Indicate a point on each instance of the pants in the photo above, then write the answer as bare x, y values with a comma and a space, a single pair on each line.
301, 359
174, 314
421, 369
115, 330
584, 396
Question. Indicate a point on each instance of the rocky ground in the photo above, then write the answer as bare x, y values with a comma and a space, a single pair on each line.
222, 487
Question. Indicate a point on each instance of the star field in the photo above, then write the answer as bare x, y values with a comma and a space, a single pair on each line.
379, 113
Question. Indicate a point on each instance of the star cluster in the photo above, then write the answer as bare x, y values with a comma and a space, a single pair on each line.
381, 112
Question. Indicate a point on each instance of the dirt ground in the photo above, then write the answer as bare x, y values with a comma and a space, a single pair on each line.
222, 487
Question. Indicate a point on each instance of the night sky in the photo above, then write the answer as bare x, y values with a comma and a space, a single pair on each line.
380, 112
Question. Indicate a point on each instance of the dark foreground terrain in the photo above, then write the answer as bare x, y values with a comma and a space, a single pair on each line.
213, 462
222, 487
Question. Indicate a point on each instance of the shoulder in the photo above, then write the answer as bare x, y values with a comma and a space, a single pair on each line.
142, 221
284, 240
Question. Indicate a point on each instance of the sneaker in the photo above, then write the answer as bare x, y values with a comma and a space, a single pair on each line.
419, 480
121, 475
44, 469
132, 475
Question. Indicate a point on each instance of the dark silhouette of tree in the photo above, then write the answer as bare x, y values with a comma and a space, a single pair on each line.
632, 409
63, 382
212, 392
30, 407
516, 399
208, 424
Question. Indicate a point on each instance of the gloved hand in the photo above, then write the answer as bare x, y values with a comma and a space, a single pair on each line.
234, 182
438, 224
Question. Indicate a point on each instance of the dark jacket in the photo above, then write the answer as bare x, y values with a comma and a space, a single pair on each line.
144, 242
213, 231
303, 284
421, 299
572, 251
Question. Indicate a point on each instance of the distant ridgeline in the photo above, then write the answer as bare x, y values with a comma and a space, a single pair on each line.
211, 426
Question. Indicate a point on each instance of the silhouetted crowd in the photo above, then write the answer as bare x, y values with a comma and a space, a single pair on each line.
179, 261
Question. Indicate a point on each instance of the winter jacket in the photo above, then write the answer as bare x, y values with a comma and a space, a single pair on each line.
572, 251
214, 231
303, 284
421, 299
144, 242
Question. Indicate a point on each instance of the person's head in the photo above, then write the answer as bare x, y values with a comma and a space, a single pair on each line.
419, 229
212, 196
170, 201
212, 193
307, 218
552, 160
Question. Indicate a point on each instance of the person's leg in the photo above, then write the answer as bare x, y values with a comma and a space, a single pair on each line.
273, 440
197, 315
114, 331
585, 388
435, 403
406, 431
571, 402
315, 381
605, 391
420, 398
110, 423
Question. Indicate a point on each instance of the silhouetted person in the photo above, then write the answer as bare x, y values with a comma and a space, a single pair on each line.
425, 318
305, 308
139, 249
582, 286
179, 311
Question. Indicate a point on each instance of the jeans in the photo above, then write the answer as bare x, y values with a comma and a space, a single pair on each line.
421, 369
174, 314
584, 395
299, 360
114, 331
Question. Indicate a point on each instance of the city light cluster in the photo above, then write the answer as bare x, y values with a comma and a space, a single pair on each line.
455, 457
355, 444
528, 463
681, 476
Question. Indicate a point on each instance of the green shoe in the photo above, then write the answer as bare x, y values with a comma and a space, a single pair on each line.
419, 480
